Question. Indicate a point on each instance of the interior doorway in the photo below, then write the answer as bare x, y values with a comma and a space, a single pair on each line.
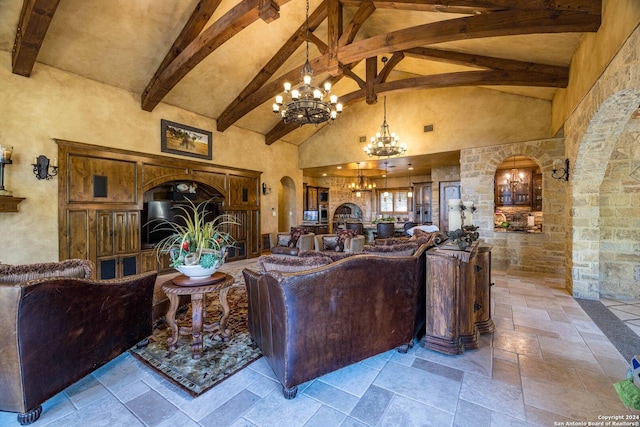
287, 211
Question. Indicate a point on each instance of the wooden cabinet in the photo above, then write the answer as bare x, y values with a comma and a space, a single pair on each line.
117, 243
457, 298
149, 261
101, 196
312, 198
528, 193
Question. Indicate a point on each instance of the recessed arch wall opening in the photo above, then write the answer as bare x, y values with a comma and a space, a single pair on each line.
525, 252
287, 209
518, 195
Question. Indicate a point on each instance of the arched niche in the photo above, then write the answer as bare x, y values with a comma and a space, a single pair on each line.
518, 183
287, 210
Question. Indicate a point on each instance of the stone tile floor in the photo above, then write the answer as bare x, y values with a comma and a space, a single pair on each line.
545, 364
627, 311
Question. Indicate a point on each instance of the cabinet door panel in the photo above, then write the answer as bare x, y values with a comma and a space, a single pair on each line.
78, 223
104, 233
133, 231
101, 180
120, 232
243, 191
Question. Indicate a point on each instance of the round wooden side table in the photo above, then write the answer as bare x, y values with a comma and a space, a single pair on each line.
197, 289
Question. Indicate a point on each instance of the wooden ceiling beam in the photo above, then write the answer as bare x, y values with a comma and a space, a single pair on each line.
35, 17
468, 78
506, 23
334, 31
199, 17
363, 13
497, 24
231, 23
227, 117
389, 66
475, 7
483, 61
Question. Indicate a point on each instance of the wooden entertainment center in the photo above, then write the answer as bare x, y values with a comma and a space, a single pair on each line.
101, 200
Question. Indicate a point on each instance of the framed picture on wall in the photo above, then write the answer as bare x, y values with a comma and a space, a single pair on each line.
185, 140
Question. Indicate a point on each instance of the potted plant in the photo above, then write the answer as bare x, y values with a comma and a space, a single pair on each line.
197, 247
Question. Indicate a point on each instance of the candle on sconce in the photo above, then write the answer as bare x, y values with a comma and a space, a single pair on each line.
54, 163
468, 213
35, 160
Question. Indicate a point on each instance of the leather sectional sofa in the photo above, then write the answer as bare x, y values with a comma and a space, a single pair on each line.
326, 315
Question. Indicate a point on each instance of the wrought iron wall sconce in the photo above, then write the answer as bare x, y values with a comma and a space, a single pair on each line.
562, 173
265, 190
43, 169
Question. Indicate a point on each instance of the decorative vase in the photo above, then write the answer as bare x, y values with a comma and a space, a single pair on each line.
197, 272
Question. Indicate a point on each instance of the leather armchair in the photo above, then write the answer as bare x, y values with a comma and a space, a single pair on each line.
277, 240
352, 244
56, 329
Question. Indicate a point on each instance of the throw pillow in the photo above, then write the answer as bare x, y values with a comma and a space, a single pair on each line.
283, 239
343, 235
329, 243
296, 232
417, 233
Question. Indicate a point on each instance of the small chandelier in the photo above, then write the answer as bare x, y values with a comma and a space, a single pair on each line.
306, 103
385, 143
362, 184
515, 178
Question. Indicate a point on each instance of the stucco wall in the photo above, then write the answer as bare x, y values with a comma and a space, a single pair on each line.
464, 117
56, 104
596, 50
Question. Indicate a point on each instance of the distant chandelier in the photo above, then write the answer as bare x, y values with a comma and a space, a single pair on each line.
385, 143
306, 104
361, 185
515, 178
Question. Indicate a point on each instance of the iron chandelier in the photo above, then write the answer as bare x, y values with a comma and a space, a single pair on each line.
307, 104
385, 143
362, 184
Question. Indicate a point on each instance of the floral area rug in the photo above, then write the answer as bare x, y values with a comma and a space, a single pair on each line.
220, 359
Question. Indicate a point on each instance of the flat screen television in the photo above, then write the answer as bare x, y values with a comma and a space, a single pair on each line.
310, 216
153, 212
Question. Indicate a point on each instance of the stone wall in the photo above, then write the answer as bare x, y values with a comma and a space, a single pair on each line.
592, 132
540, 252
620, 218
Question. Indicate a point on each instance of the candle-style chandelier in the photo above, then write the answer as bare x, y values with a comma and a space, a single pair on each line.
307, 103
515, 178
362, 184
385, 143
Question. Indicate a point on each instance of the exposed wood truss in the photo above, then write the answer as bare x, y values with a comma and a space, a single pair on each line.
341, 52
488, 18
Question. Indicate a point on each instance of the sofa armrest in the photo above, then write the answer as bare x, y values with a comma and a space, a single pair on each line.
306, 242
356, 244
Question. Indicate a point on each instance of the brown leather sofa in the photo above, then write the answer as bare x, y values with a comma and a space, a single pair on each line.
312, 322
56, 329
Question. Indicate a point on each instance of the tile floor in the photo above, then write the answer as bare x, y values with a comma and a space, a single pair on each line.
627, 311
545, 365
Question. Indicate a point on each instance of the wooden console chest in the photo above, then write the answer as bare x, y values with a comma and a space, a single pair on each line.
458, 298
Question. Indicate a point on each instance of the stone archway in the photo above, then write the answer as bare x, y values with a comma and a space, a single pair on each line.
592, 132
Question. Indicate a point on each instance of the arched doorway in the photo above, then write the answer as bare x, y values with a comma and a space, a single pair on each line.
287, 210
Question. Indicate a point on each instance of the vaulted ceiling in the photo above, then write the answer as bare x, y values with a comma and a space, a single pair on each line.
227, 59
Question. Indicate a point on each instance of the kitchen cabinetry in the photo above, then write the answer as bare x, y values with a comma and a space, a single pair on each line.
315, 197
528, 192
457, 298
